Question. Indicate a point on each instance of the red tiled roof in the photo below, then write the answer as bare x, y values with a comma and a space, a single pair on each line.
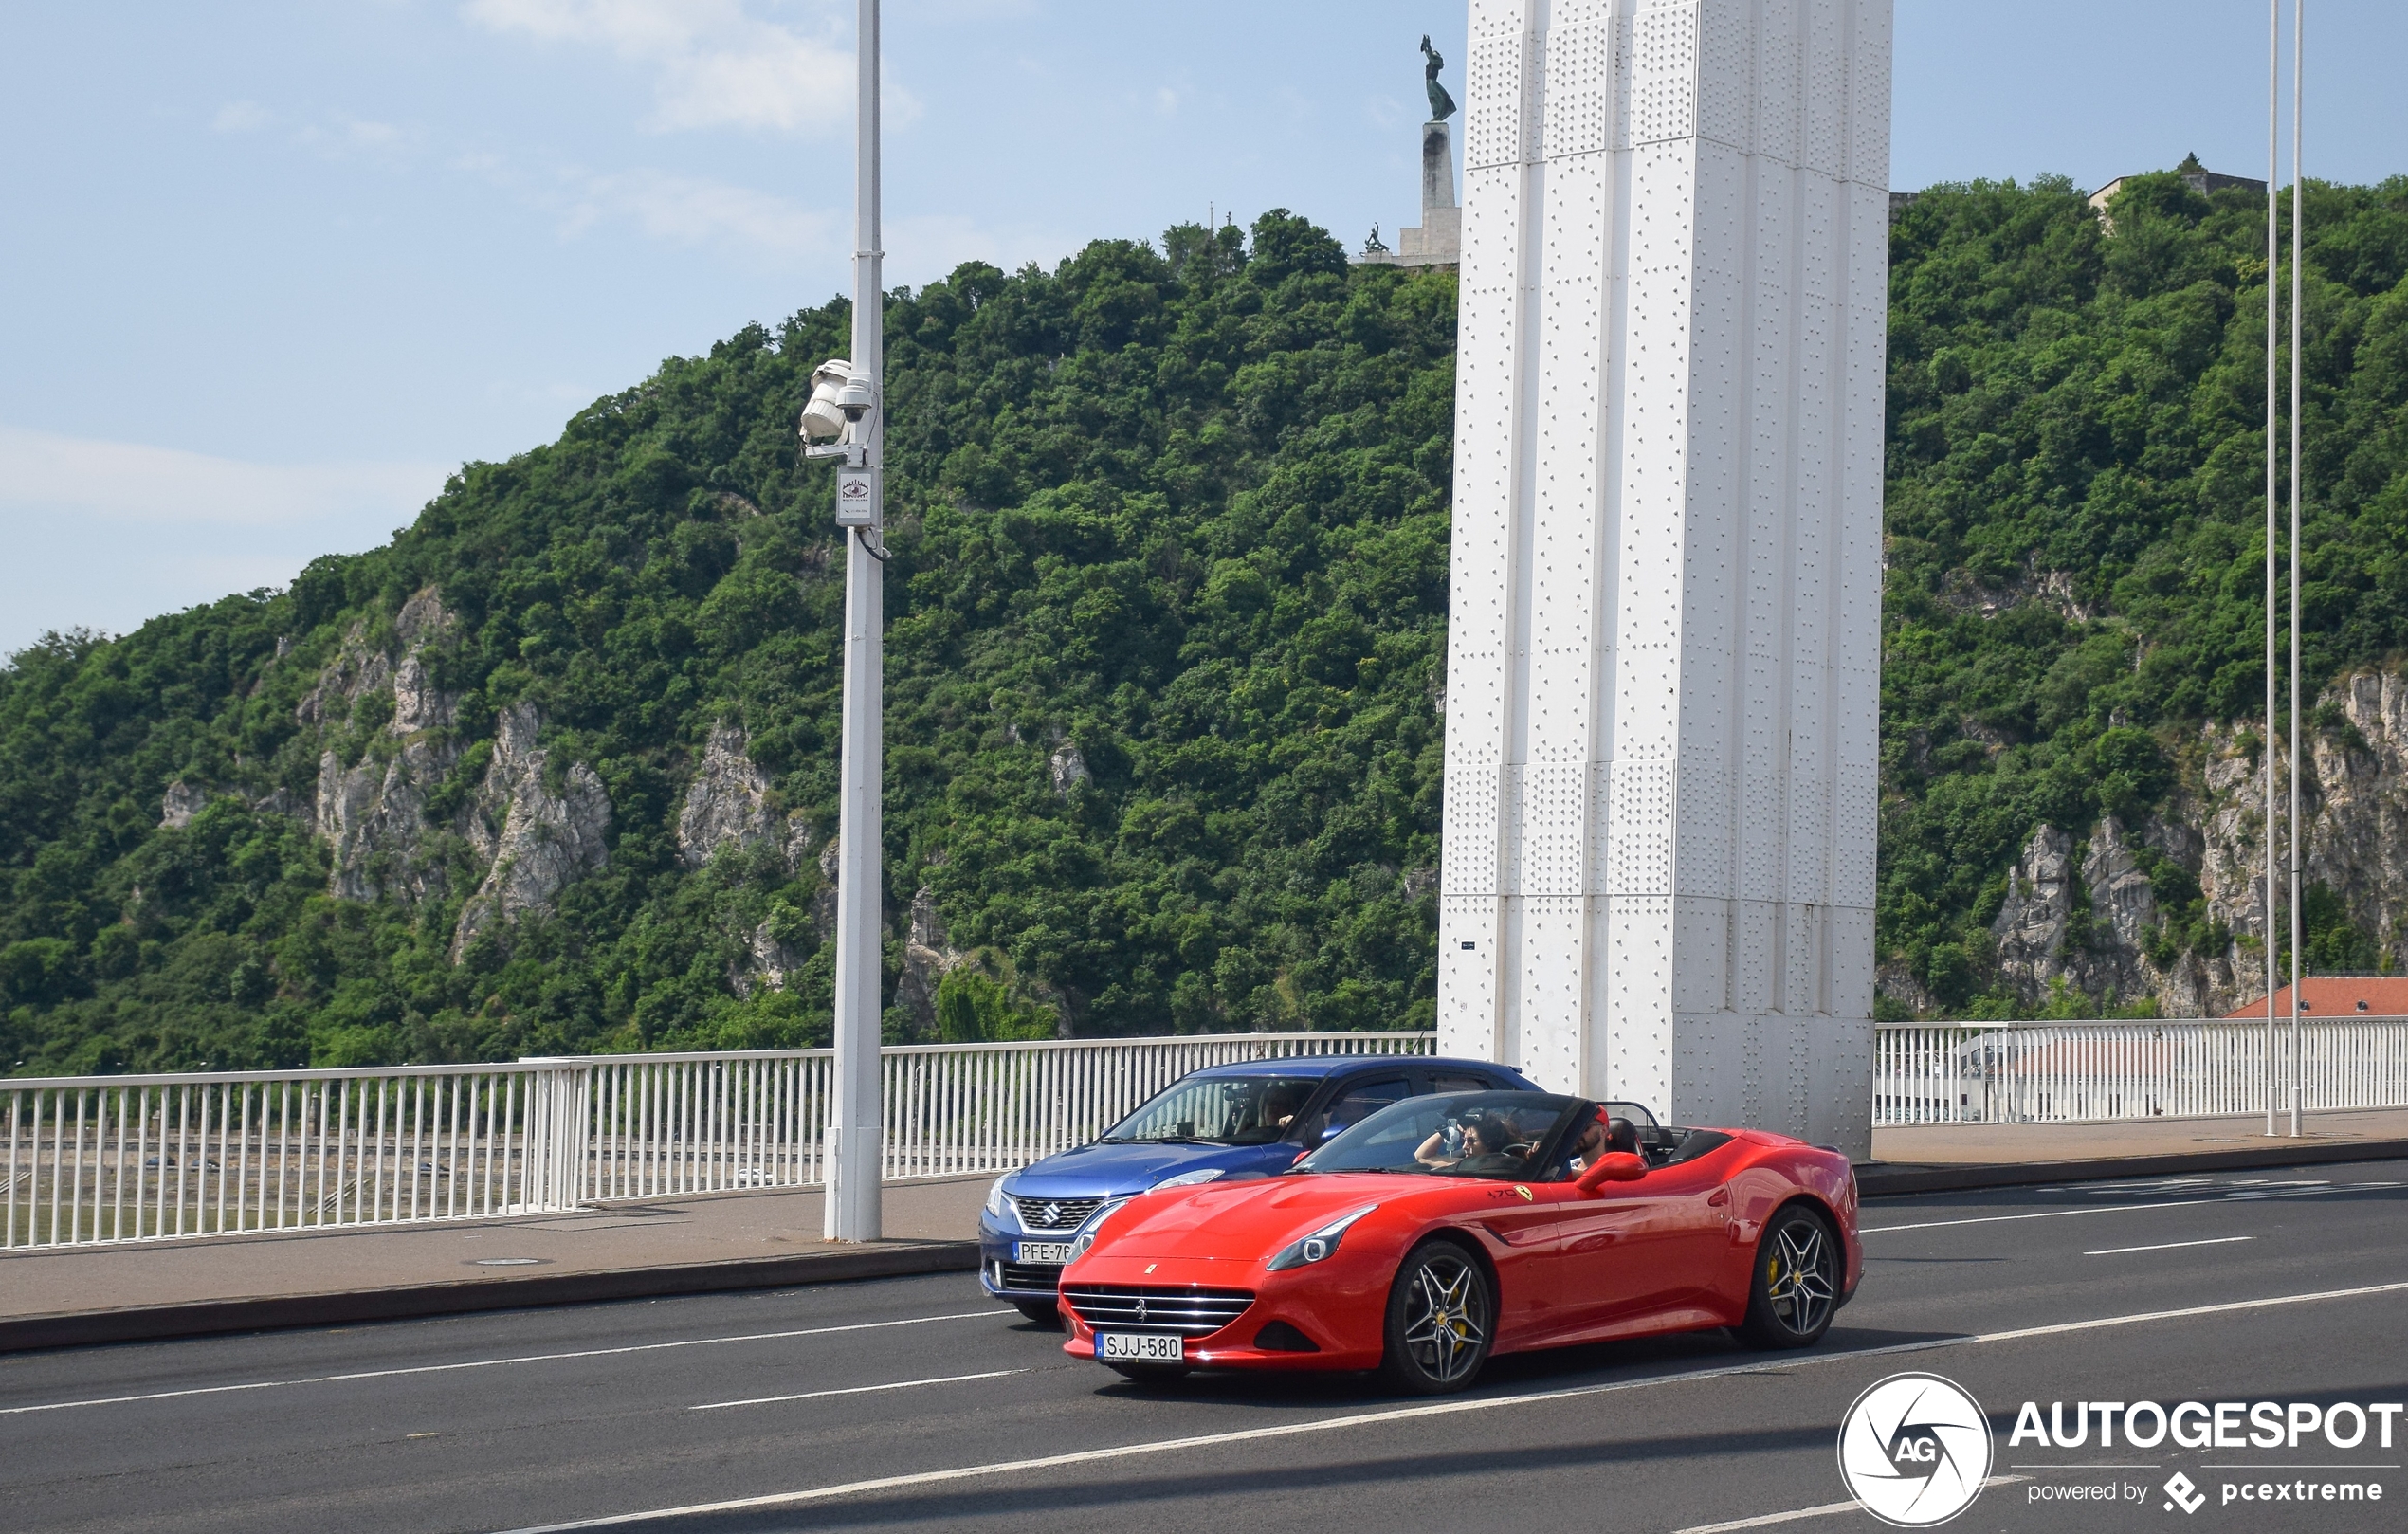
2337, 995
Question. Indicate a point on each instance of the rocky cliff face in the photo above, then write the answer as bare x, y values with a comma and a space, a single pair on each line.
727, 804
511, 839
373, 812
2083, 907
533, 842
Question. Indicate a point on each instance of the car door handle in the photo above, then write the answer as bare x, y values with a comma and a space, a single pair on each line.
1719, 1198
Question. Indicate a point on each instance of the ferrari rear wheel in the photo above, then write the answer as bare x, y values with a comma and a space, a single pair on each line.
1796, 1290
1441, 1317
1044, 1312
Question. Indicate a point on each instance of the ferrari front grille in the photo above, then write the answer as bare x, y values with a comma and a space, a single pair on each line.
1190, 1312
1053, 1213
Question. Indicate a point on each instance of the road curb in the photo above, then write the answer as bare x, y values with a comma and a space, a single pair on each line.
1876, 1179
137, 1323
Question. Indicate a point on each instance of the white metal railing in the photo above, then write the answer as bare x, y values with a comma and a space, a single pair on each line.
103, 1158
98, 1159
679, 1124
2068, 1072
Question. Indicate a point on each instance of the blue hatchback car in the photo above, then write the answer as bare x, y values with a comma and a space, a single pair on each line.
1250, 1118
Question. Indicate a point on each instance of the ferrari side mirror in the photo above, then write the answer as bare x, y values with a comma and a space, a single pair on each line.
1614, 1167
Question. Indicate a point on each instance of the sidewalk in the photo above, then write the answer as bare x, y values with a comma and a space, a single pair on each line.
1944, 1158
1955, 1145
722, 1241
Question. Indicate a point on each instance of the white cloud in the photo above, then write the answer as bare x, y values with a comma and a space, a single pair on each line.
714, 64
44, 472
691, 211
241, 117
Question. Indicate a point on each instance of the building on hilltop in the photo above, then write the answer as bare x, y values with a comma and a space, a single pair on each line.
2195, 176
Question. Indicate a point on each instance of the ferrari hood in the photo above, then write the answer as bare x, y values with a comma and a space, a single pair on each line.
1245, 1222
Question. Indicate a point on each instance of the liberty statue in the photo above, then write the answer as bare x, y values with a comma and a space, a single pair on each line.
1442, 105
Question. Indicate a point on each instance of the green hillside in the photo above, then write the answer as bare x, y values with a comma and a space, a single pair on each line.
1165, 657
1182, 513
2075, 514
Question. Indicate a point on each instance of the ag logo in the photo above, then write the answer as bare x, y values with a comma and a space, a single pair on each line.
1915, 1449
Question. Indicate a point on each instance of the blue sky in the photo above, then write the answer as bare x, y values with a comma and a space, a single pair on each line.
269, 269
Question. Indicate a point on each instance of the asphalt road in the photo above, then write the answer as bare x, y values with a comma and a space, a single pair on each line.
507, 1422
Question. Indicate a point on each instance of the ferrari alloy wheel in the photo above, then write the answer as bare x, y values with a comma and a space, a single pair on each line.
1440, 1317
1796, 1285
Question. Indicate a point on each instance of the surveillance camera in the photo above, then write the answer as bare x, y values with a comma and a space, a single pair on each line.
826, 414
855, 398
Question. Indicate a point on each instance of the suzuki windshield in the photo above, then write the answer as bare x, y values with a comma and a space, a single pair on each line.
1217, 1110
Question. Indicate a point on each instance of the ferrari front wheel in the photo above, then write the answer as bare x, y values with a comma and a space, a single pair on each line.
1441, 1316
1795, 1289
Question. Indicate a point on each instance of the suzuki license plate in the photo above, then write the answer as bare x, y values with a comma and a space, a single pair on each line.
1055, 1253
1140, 1347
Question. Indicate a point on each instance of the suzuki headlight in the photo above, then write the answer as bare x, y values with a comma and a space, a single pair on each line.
1320, 1244
1085, 1236
994, 1197
1188, 1180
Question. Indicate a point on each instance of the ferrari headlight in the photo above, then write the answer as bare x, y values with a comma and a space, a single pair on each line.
1085, 1236
1186, 1180
1320, 1244
994, 1197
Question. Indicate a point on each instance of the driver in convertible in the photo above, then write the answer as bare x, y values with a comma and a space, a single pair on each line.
1485, 1141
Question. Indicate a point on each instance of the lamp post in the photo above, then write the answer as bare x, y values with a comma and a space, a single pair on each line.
2299, 223
2273, 279
847, 404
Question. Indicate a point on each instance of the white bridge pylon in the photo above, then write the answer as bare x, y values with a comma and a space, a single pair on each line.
1664, 649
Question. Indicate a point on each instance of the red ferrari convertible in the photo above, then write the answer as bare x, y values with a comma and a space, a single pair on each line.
1442, 1231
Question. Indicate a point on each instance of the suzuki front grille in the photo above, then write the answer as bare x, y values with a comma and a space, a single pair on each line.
1053, 1213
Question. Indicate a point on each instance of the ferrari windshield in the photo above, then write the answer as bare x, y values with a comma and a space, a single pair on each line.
1217, 1110
1512, 1136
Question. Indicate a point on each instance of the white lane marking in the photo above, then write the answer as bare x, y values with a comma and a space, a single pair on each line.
492, 1363
1767, 1519
857, 1390
2170, 1246
2121, 1209
1405, 1413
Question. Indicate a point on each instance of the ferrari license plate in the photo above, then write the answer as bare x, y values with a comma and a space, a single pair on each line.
1056, 1253
1140, 1347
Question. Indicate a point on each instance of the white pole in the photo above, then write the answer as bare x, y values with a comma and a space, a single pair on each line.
2273, 269
2299, 221
852, 1205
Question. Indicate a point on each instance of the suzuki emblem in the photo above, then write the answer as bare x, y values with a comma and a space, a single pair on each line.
1053, 1213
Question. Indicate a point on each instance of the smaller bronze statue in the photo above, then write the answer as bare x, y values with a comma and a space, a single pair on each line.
1442, 105
1376, 246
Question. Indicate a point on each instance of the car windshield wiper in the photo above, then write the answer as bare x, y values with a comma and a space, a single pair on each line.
1156, 1139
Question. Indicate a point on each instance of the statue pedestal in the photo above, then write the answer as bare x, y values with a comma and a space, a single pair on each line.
1438, 240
